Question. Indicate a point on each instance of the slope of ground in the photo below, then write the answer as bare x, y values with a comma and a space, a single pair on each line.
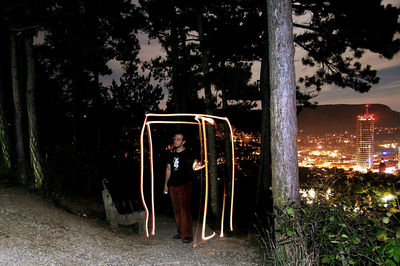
34, 232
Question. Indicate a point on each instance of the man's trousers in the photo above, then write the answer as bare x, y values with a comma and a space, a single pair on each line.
181, 202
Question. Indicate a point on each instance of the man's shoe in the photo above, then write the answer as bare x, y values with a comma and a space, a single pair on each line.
176, 237
186, 240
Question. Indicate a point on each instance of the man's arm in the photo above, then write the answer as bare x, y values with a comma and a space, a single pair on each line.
167, 176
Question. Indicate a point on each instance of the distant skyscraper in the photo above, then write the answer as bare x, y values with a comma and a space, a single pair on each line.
365, 140
398, 159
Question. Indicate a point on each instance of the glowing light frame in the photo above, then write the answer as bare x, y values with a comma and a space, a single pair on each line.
202, 131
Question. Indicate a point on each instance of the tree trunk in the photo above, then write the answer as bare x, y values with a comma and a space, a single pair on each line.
75, 113
20, 152
97, 112
285, 178
178, 92
4, 132
227, 145
212, 161
264, 167
34, 147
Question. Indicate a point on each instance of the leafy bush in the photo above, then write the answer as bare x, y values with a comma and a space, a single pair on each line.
341, 220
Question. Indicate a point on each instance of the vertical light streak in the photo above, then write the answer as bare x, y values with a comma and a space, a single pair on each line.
141, 177
223, 211
203, 231
153, 223
203, 143
201, 181
233, 173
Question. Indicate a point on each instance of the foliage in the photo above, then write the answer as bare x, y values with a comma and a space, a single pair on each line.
336, 36
346, 220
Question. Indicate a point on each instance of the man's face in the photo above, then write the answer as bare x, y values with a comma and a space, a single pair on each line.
178, 141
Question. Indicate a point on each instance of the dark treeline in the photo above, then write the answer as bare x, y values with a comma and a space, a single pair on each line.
62, 130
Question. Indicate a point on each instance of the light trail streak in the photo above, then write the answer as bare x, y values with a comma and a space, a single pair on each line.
153, 222
233, 171
203, 231
203, 143
172, 122
201, 182
141, 177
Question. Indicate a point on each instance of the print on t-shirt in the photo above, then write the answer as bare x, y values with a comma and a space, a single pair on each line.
176, 163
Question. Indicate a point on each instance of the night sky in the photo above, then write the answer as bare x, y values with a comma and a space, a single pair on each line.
386, 92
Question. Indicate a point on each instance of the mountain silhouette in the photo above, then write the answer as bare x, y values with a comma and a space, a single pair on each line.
343, 117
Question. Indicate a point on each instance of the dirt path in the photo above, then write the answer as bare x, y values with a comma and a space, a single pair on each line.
34, 232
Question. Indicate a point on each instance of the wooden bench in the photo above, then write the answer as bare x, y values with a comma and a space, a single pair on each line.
116, 218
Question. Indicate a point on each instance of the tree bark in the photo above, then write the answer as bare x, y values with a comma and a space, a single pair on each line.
97, 111
264, 167
20, 152
5, 147
227, 143
212, 161
178, 92
285, 177
75, 112
34, 147
4, 132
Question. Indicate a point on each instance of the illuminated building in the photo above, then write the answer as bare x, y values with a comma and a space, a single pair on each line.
365, 140
398, 159
382, 166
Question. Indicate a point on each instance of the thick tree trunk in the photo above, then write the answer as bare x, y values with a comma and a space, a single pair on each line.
4, 132
75, 112
20, 152
264, 168
228, 147
285, 177
212, 161
178, 92
34, 147
97, 112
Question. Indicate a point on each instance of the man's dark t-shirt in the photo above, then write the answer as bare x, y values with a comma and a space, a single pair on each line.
181, 167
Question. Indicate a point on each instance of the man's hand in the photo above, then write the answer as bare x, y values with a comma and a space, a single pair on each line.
197, 165
165, 189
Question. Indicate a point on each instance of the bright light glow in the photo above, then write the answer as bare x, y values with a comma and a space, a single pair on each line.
388, 198
328, 194
390, 170
311, 193
141, 177
196, 166
153, 219
203, 231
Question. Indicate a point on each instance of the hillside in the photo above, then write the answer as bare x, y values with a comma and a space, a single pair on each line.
34, 232
341, 117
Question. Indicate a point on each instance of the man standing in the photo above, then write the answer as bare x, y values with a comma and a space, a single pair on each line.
178, 179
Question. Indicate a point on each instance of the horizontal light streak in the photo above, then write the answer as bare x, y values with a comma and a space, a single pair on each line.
209, 119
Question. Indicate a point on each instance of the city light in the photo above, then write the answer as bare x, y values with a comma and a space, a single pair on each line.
389, 197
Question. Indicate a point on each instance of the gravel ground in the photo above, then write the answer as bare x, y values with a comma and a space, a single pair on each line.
34, 232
